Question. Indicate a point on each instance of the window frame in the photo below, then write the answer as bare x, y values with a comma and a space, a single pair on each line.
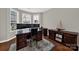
15, 21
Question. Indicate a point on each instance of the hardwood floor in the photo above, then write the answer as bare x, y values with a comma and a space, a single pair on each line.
58, 46
6, 45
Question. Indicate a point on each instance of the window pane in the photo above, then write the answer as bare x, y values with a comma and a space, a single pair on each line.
13, 18
26, 18
13, 26
36, 19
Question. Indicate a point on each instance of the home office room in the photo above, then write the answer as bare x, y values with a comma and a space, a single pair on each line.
39, 29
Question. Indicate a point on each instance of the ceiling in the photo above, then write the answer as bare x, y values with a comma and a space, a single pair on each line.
35, 10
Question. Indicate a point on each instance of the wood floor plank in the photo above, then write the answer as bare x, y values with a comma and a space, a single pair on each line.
58, 46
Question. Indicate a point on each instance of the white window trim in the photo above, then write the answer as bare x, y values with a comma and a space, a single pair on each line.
11, 9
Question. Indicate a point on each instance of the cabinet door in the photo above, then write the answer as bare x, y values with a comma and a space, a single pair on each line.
52, 34
21, 41
70, 39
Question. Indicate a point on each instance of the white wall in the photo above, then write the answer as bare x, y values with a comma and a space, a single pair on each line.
69, 17
5, 31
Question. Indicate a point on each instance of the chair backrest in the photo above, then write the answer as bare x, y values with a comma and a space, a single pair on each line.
45, 31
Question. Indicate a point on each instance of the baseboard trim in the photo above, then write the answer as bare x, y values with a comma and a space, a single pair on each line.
7, 40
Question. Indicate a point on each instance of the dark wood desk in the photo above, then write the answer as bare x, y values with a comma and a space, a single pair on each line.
22, 39
68, 38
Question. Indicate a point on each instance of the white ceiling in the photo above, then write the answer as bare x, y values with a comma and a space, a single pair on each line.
35, 10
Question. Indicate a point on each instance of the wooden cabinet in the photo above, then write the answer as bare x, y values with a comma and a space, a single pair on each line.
52, 34
22, 40
56, 35
69, 39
